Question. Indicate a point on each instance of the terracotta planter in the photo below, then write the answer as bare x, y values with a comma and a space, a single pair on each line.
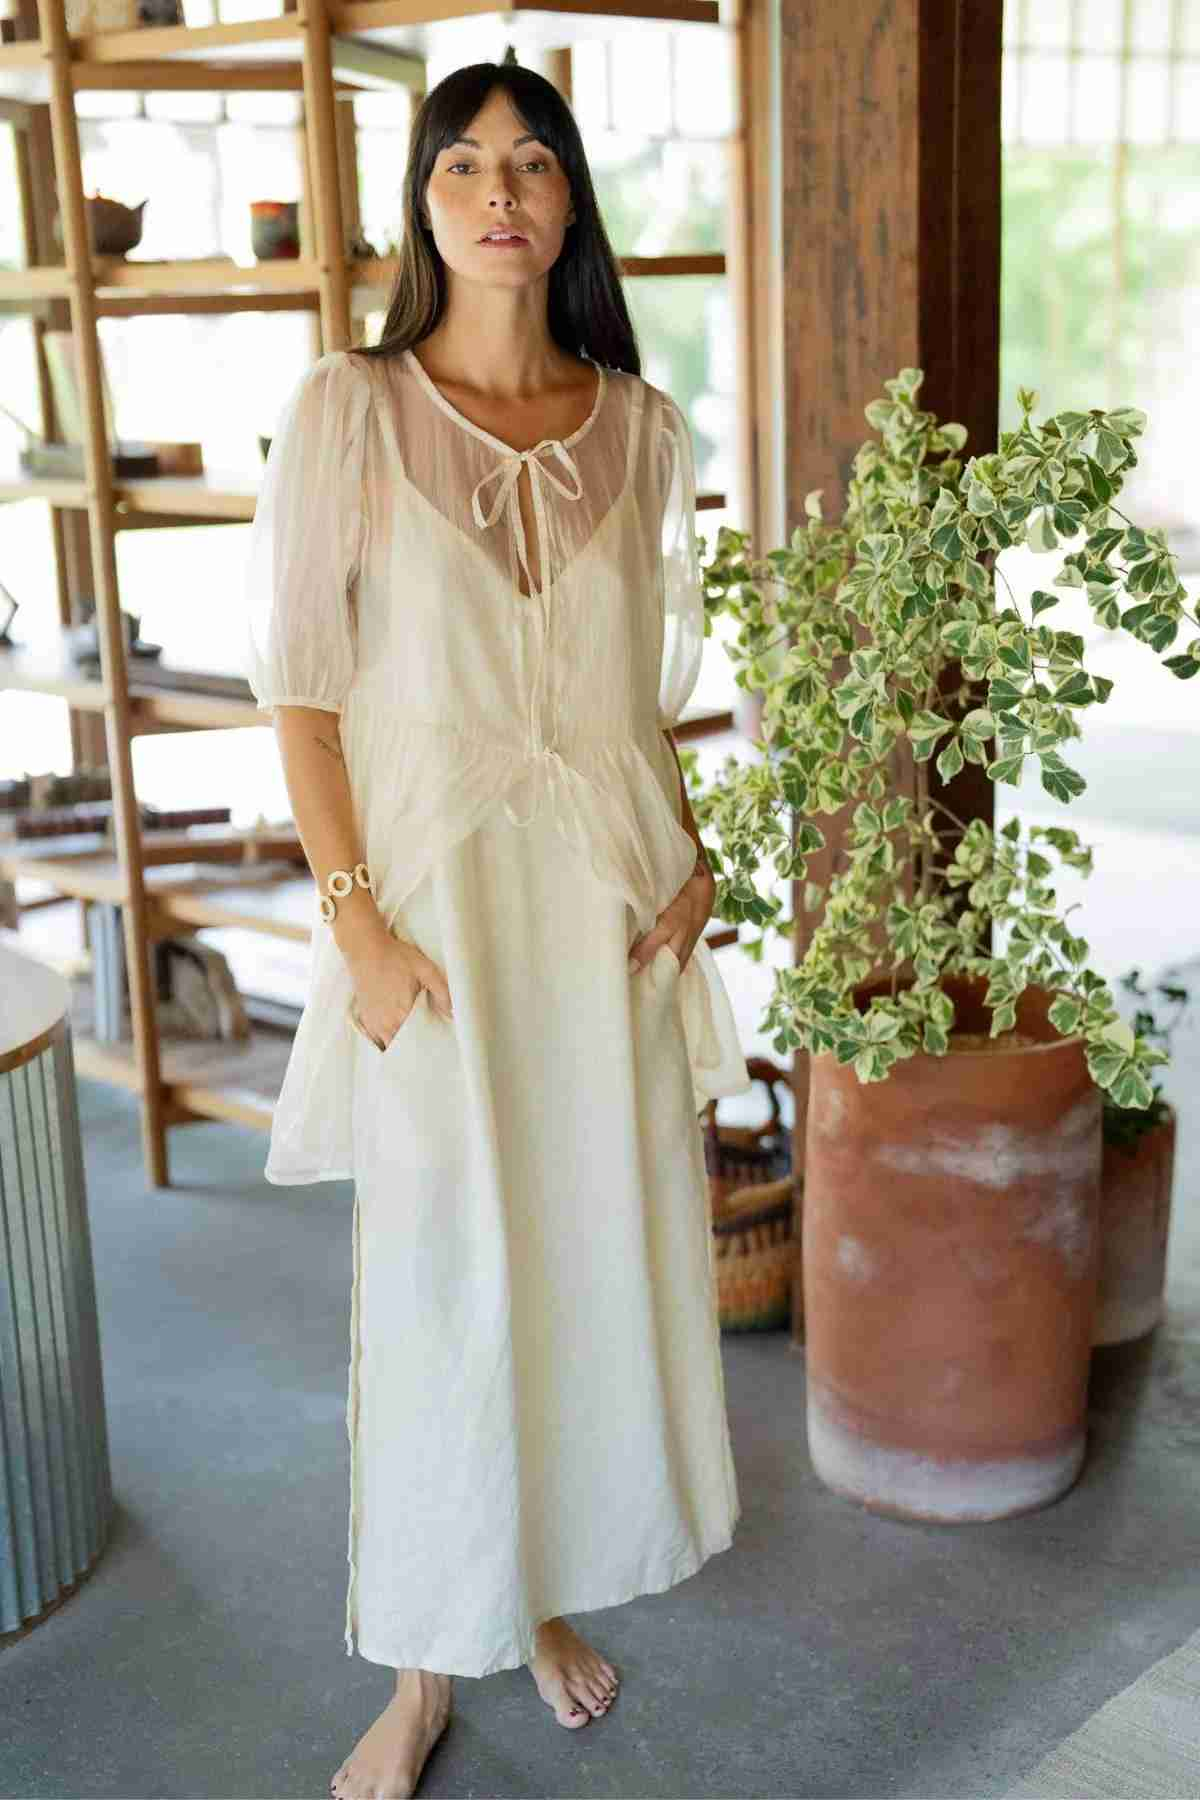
1135, 1220
950, 1262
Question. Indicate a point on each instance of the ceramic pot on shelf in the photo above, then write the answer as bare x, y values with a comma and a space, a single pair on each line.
950, 1262
275, 229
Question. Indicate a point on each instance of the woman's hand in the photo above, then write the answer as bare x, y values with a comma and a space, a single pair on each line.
388, 979
679, 924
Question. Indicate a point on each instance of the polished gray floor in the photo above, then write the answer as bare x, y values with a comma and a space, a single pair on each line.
828, 1653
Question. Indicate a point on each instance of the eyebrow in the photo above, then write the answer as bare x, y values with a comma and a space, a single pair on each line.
530, 137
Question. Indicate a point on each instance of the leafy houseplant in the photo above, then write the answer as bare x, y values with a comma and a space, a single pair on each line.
1161, 1010
892, 620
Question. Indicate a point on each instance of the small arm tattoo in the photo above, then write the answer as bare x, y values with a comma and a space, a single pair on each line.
332, 745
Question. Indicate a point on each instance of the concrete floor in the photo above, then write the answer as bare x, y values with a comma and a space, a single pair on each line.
829, 1653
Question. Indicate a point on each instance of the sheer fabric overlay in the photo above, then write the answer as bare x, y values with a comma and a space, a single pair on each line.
390, 581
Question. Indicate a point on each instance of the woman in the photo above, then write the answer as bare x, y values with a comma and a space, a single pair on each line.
475, 613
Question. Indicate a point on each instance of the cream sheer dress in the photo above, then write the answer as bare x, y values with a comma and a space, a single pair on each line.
536, 1408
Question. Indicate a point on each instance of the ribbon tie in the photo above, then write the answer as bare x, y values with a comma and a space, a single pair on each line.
506, 474
532, 754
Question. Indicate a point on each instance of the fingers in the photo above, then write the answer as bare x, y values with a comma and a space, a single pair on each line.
434, 979
647, 948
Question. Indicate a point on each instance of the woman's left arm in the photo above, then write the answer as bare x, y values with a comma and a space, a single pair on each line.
682, 922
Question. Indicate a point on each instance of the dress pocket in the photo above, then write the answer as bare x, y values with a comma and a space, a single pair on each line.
382, 1049
663, 970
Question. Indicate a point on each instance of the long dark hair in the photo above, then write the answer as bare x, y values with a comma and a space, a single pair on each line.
587, 314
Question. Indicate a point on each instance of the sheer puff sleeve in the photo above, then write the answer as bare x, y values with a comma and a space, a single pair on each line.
683, 596
306, 543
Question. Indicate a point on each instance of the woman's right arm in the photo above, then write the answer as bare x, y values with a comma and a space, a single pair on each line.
388, 972
310, 749
305, 548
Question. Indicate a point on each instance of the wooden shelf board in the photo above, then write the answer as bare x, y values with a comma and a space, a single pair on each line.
197, 499
239, 1082
285, 908
130, 283
176, 863
171, 500
17, 486
408, 27
176, 709
402, 22
46, 669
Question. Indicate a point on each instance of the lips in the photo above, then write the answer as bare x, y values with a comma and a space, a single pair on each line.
510, 237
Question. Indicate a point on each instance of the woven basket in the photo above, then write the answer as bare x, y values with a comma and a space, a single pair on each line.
755, 1201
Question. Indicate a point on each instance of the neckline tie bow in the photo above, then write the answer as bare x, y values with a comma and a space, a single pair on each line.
507, 472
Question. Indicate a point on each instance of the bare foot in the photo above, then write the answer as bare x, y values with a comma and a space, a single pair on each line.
387, 1760
571, 1677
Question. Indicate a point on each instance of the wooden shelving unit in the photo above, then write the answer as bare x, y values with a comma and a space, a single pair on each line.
163, 882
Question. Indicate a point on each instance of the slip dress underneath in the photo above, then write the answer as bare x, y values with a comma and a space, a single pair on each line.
536, 1407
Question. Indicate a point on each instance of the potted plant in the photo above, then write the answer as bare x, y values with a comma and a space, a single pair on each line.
1135, 1189
959, 1041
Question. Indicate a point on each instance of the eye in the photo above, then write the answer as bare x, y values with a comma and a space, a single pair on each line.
450, 167
537, 162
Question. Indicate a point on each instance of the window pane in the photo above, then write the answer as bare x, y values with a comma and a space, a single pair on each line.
383, 111
661, 198
589, 86
1101, 24
1152, 24
1148, 114
1186, 128
263, 109
184, 107
641, 83
703, 83
1043, 107
100, 103
1097, 99
381, 158
1048, 24
1010, 98
684, 334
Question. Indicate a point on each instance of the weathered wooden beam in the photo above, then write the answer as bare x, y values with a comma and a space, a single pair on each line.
887, 128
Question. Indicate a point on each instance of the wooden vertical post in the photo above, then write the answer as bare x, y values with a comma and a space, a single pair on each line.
321, 132
101, 515
754, 268
888, 133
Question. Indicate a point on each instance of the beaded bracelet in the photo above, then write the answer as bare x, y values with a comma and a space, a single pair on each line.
341, 882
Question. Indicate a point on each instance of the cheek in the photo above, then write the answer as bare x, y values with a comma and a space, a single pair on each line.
448, 204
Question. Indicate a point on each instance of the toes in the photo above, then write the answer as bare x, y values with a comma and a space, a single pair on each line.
597, 1698
572, 1714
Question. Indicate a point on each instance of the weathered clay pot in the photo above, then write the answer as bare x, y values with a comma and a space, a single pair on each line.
1135, 1220
951, 1257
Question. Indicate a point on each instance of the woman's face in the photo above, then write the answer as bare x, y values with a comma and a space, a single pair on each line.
497, 178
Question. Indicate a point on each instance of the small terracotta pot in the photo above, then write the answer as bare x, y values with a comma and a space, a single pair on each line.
1135, 1222
950, 1257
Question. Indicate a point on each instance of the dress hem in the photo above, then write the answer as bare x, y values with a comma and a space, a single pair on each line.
681, 1569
